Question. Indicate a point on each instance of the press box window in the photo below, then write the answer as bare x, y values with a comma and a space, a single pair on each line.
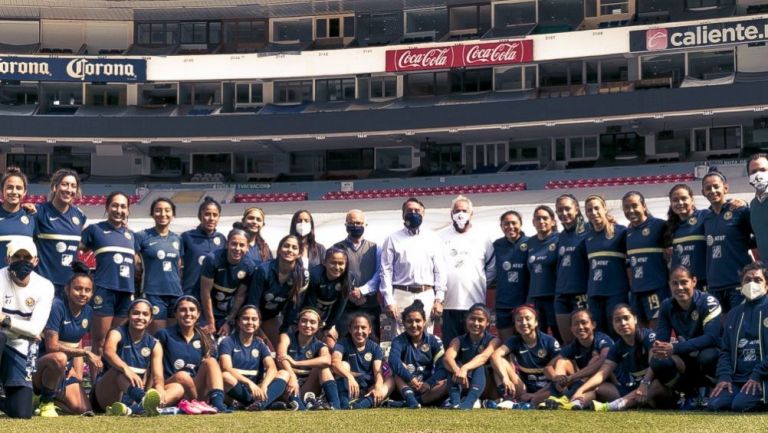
249, 93
514, 13
383, 87
337, 89
335, 27
292, 92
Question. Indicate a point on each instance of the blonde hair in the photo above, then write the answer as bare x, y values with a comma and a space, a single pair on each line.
610, 220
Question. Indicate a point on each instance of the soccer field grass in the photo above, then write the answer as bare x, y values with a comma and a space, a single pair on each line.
424, 420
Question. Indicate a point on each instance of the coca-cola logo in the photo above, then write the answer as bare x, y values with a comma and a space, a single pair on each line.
500, 53
656, 39
433, 58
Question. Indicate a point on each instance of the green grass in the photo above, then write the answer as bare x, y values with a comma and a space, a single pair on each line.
402, 420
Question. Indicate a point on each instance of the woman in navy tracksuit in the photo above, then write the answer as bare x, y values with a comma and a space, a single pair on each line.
542, 268
685, 233
511, 253
572, 264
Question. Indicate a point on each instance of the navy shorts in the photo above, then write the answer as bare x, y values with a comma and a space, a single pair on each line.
162, 306
565, 304
108, 302
505, 318
13, 369
648, 304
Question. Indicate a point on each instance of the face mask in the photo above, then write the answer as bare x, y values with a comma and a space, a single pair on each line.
759, 180
21, 269
355, 231
461, 219
412, 220
752, 291
303, 229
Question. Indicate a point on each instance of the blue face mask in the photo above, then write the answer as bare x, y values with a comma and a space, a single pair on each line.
21, 269
412, 220
354, 231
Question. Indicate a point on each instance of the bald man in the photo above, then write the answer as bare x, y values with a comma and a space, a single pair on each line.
364, 257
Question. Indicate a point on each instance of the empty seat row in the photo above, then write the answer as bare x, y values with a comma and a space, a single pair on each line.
270, 197
424, 191
619, 181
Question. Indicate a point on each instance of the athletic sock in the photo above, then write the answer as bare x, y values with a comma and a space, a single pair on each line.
618, 404
274, 391
136, 394
409, 396
241, 393
331, 393
363, 403
471, 398
216, 397
341, 384
454, 395
47, 395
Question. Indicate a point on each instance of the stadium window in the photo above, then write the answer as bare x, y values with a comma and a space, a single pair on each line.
560, 15
560, 73
291, 30
80, 162
211, 163
423, 21
312, 161
469, 19
379, 28
199, 93
583, 148
426, 84
647, 6
245, 32
143, 34
598, 8
508, 14
249, 93
158, 93
663, 66
725, 138
614, 70
157, 34
709, 65
18, 93
622, 145
165, 165
394, 158
349, 159
527, 149
63, 94
292, 92
334, 27
199, 33
706, 4
335, 89
105, 95
515, 78
383, 87
33, 165
470, 80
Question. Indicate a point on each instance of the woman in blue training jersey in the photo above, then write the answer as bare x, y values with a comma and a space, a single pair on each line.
579, 360
133, 367
728, 230
303, 227
189, 359
307, 361
647, 264
112, 243
224, 282
628, 363
254, 219
524, 365
685, 233
248, 368
59, 224
608, 285
572, 264
542, 268
17, 221
416, 360
466, 359
277, 282
158, 259
511, 253
60, 363
357, 361
198, 243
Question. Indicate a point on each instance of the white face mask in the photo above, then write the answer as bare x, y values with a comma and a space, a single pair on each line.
303, 228
461, 219
752, 290
759, 180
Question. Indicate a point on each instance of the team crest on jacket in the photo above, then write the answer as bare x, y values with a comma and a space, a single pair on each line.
523, 247
97, 300
145, 351
552, 247
240, 275
85, 324
646, 231
692, 220
24, 219
255, 353
216, 241
30, 302
506, 266
76, 220
196, 344
425, 347
695, 315
368, 356
175, 244
728, 215
765, 322
155, 310
127, 235
541, 353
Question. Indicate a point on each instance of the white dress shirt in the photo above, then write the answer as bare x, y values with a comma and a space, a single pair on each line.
411, 259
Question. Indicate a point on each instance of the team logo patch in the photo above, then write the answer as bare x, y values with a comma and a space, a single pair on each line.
594, 263
255, 353
61, 247
561, 251
85, 324
216, 241
240, 275
175, 244
523, 247
552, 247
541, 353
97, 300
506, 266
145, 352
695, 315
710, 240
24, 219
178, 364
196, 344
155, 310
368, 356
117, 258
531, 259
160, 254
765, 322
200, 260
30, 302
726, 216
425, 347
453, 252
646, 231
692, 220
127, 235
76, 220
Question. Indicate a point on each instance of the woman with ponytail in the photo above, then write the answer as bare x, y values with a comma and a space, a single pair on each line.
198, 243
254, 219
572, 263
685, 233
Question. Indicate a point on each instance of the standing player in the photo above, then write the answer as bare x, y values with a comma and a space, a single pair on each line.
728, 232
59, 224
685, 233
645, 252
511, 253
158, 255
198, 242
17, 222
59, 373
27, 303
113, 245
132, 381
303, 227
606, 250
254, 219
542, 268
572, 264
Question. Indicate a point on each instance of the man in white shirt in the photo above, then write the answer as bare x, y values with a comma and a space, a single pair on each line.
413, 266
27, 299
471, 264
757, 169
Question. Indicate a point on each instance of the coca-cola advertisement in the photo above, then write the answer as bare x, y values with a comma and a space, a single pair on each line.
459, 56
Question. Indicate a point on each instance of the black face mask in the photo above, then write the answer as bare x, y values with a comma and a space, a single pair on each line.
21, 269
355, 231
412, 220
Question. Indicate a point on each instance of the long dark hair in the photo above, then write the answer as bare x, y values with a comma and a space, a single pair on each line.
640, 352
256, 237
345, 278
550, 212
673, 219
580, 220
15, 172
298, 275
239, 314
311, 243
205, 341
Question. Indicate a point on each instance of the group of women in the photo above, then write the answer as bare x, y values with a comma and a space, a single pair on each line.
200, 330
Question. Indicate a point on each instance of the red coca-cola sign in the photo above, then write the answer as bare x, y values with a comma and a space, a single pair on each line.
458, 56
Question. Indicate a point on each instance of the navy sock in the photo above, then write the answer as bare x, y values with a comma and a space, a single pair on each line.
216, 397
341, 384
332, 393
454, 395
363, 403
241, 393
47, 395
409, 396
136, 394
274, 391
476, 387
299, 402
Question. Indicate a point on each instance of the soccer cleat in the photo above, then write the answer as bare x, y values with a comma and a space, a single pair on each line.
599, 407
118, 409
506, 405
150, 402
278, 405
490, 404
256, 406
188, 408
48, 410
292, 406
205, 408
